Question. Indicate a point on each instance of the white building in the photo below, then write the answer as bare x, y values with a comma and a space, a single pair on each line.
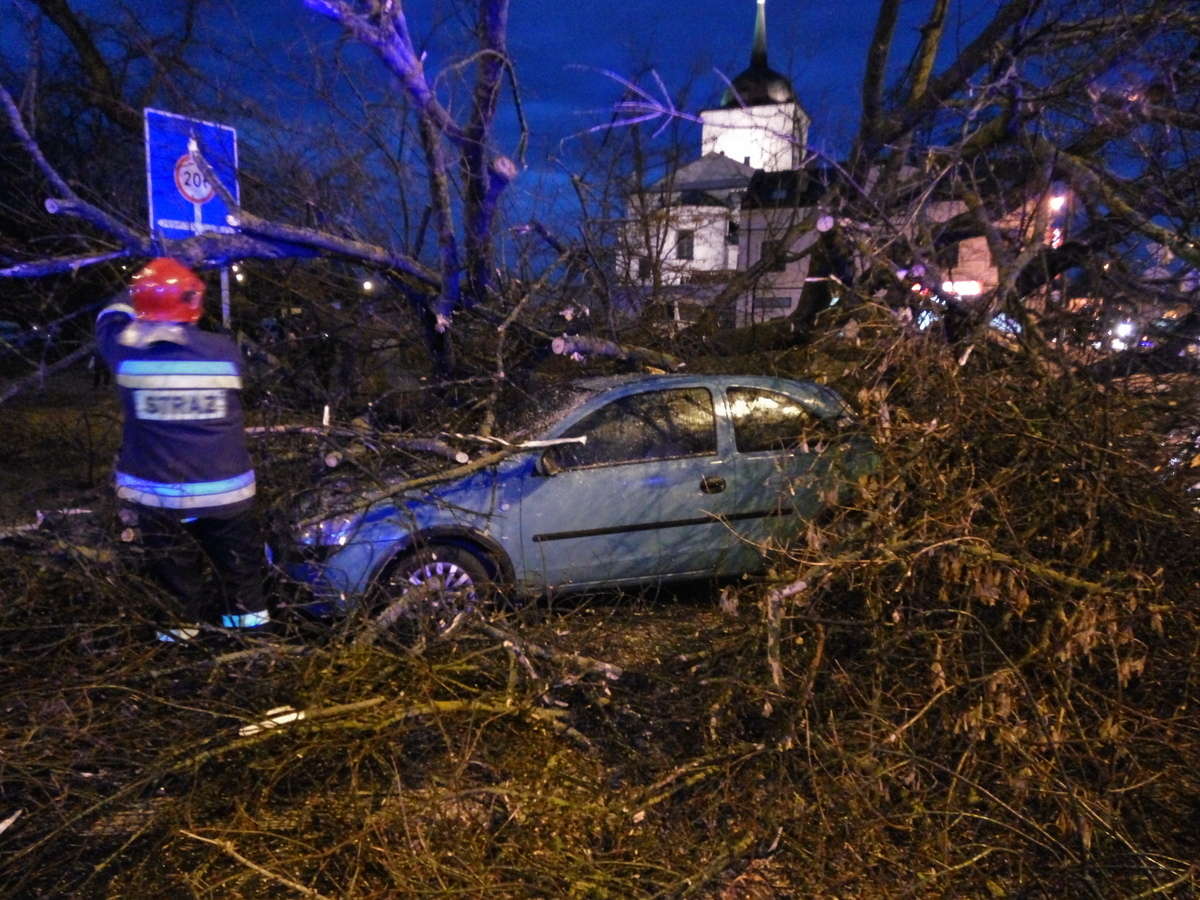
687, 222
759, 123
686, 228
732, 209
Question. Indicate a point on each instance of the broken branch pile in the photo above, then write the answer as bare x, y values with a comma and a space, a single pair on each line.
977, 677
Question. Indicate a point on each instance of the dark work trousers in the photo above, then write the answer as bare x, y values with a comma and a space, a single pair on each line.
176, 546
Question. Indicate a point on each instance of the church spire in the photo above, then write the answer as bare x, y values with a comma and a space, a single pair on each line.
758, 55
759, 84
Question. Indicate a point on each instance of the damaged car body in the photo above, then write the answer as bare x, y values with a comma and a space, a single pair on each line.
630, 481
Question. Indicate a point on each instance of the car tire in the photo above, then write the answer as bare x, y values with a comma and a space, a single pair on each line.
434, 586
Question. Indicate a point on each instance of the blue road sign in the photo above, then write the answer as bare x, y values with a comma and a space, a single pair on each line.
182, 201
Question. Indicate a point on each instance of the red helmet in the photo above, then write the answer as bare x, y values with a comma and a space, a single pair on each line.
165, 290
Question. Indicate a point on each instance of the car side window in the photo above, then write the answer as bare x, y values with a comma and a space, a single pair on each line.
650, 425
768, 420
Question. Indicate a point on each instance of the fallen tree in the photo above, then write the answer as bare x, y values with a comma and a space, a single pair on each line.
973, 677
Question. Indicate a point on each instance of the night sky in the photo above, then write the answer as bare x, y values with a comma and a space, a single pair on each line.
820, 49
820, 45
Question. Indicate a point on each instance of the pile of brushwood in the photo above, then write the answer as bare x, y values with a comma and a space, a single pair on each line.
979, 677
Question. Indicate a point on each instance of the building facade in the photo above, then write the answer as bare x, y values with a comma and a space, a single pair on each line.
690, 227
750, 206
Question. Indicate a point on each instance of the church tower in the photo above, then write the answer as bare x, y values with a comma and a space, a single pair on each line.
759, 123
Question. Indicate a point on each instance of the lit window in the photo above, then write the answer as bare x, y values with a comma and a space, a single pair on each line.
963, 288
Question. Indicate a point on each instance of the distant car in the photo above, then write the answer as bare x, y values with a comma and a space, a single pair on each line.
628, 481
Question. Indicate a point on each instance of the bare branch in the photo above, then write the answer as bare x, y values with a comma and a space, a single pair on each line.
585, 345
58, 265
71, 204
228, 848
103, 86
1108, 192
386, 30
311, 238
931, 41
977, 54
877, 56
39, 376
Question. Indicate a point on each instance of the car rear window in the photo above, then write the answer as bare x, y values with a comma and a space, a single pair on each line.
768, 420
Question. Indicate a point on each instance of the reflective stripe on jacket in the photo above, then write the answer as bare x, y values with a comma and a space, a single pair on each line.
177, 373
183, 441
188, 495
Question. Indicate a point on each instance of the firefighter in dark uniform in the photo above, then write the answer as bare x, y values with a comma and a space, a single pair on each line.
183, 474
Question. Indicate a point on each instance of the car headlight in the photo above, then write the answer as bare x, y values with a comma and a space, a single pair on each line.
334, 532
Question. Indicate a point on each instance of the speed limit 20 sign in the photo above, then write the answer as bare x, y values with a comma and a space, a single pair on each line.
190, 180
182, 201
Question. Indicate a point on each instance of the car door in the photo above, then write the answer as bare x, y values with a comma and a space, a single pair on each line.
780, 473
596, 512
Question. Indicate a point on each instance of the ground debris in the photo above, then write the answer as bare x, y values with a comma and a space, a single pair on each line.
984, 688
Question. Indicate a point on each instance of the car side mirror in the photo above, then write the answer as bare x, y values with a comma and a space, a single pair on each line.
548, 463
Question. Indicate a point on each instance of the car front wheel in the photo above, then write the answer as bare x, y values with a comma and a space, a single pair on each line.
435, 585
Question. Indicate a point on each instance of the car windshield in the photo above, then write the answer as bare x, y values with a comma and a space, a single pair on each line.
528, 412
532, 410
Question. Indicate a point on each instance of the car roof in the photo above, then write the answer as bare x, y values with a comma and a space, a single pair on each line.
554, 400
822, 401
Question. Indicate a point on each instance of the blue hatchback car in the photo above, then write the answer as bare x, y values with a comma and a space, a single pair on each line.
625, 481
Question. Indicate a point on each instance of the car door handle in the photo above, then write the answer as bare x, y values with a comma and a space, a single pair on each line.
710, 484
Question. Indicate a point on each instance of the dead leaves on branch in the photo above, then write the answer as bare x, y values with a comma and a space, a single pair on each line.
1013, 603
